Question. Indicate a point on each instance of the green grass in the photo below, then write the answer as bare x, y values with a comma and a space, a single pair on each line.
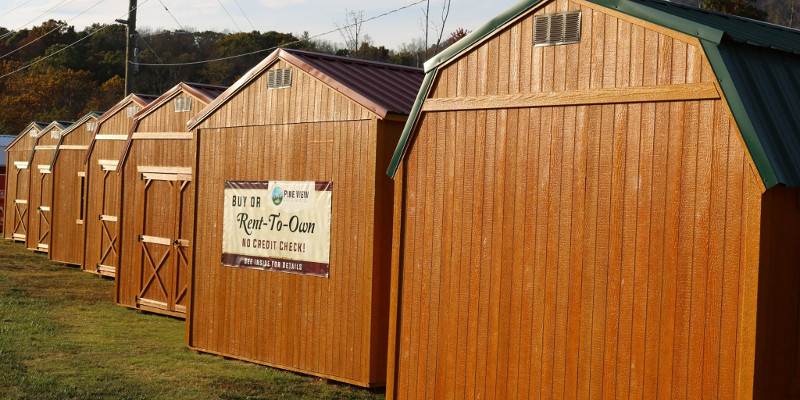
62, 337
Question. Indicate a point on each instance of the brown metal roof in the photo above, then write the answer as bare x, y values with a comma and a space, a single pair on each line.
379, 87
206, 94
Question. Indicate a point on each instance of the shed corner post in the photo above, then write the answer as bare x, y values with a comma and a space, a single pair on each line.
395, 292
191, 281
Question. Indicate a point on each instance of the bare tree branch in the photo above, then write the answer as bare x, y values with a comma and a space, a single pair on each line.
351, 29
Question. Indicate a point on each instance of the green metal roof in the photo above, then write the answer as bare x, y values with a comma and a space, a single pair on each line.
757, 65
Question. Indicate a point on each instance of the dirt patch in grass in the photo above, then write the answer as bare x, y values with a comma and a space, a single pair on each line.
62, 337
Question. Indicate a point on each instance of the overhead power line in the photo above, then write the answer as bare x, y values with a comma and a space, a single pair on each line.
245, 15
170, 14
59, 26
229, 15
15, 8
13, 31
284, 44
92, 33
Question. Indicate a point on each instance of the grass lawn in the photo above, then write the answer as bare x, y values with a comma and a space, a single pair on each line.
62, 337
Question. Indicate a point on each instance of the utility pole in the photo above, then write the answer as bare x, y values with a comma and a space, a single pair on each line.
130, 41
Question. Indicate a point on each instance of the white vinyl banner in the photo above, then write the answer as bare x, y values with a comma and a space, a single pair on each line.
278, 226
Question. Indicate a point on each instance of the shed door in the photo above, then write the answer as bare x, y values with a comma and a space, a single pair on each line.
20, 202
44, 215
109, 197
163, 259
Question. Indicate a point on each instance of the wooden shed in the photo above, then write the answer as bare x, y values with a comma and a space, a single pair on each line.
18, 158
69, 181
40, 192
102, 197
156, 218
598, 199
314, 301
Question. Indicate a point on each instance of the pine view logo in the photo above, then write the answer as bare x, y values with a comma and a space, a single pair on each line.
277, 196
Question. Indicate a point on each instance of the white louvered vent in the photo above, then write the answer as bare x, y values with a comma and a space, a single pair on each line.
91, 125
279, 78
131, 111
555, 29
33, 132
183, 104
54, 134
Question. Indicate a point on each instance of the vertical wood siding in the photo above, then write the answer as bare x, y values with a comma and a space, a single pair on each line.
577, 251
334, 327
66, 243
160, 153
589, 252
102, 195
307, 100
17, 183
40, 194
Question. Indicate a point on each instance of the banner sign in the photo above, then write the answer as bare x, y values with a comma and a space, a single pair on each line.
278, 226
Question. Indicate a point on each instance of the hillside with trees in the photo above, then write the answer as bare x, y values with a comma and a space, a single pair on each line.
68, 81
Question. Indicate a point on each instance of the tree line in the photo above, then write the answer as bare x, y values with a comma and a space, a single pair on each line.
78, 71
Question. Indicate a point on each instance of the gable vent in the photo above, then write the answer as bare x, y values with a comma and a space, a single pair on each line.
131, 111
555, 29
55, 134
90, 126
183, 104
33, 132
279, 78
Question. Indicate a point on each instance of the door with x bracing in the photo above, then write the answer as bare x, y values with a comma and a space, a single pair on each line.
109, 230
44, 216
163, 226
20, 230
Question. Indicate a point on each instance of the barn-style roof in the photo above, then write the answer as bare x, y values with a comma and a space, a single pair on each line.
379, 87
756, 64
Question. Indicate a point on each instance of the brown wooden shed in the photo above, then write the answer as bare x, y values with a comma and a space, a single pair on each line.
156, 217
40, 192
69, 181
102, 197
18, 157
598, 199
320, 119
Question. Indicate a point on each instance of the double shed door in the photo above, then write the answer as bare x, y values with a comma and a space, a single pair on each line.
163, 232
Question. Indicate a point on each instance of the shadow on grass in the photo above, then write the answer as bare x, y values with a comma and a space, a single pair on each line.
62, 337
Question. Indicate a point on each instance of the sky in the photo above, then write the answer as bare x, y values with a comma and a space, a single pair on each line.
289, 16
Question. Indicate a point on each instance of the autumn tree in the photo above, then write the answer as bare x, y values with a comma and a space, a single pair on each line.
742, 8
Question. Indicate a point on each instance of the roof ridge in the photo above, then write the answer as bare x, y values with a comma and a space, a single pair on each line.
353, 60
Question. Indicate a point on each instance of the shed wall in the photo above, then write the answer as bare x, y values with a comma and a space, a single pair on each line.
103, 196
334, 327
586, 246
615, 51
40, 193
159, 153
581, 251
308, 100
17, 184
67, 234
